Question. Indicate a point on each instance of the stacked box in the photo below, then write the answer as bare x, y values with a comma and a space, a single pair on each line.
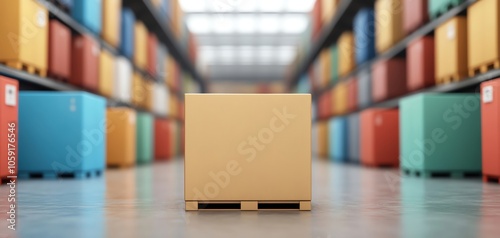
483, 36
364, 34
346, 53
328, 8
316, 20
59, 63
149, 90
138, 90
415, 14
127, 33
388, 79
160, 102
323, 143
106, 74
88, 13
161, 57
379, 137
389, 29
144, 140
340, 99
76, 122
338, 139
441, 133
420, 63
24, 27
162, 139
353, 138
325, 61
9, 89
85, 63
439, 7
451, 50
325, 106
334, 67
352, 94
152, 50
490, 127
111, 21
121, 132
140, 45
123, 80
364, 88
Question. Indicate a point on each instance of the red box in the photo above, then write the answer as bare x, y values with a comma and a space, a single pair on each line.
162, 139
152, 50
352, 94
388, 79
325, 105
317, 20
379, 143
9, 90
415, 14
59, 62
85, 63
490, 129
420, 63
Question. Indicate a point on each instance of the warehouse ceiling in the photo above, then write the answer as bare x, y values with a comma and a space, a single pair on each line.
247, 40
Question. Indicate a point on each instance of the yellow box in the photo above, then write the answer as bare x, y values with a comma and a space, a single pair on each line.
451, 50
121, 132
106, 73
326, 62
483, 31
140, 45
328, 8
323, 139
149, 95
389, 27
346, 53
111, 21
248, 147
138, 90
340, 98
24, 35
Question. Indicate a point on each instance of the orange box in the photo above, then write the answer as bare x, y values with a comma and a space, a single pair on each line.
162, 139
451, 50
388, 79
490, 127
389, 27
148, 102
328, 8
352, 94
9, 94
121, 136
346, 53
380, 137
138, 90
85, 63
140, 45
106, 74
325, 61
420, 63
483, 29
111, 21
59, 62
152, 53
415, 14
323, 141
340, 94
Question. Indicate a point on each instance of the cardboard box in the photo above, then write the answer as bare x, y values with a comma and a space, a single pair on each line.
415, 14
122, 89
106, 74
388, 79
162, 139
111, 10
9, 126
76, 122
380, 137
127, 33
338, 139
441, 133
59, 61
420, 63
85, 63
353, 138
389, 28
250, 138
364, 35
140, 45
24, 28
88, 13
145, 137
490, 135
346, 53
121, 136
451, 50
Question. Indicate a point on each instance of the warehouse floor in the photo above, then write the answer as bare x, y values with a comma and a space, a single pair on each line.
348, 201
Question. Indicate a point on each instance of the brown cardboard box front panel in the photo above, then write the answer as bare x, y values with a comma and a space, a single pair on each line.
224, 163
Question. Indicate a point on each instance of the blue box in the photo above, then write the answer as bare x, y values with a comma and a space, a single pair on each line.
88, 13
364, 35
61, 132
353, 138
338, 139
127, 33
364, 89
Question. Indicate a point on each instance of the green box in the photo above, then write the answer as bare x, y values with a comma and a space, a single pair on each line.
440, 133
439, 7
144, 140
335, 63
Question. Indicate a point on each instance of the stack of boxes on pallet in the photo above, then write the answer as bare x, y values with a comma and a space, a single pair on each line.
431, 134
116, 57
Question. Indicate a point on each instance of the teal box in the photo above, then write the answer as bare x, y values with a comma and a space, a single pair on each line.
338, 139
439, 7
61, 133
144, 138
440, 133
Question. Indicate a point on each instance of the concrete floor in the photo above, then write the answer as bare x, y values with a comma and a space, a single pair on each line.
348, 201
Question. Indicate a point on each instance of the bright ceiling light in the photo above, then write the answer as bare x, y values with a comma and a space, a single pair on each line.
199, 24
193, 5
223, 23
271, 5
246, 24
299, 5
294, 24
269, 24
244, 5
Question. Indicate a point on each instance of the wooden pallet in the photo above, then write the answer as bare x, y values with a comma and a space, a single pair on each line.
248, 205
448, 79
25, 67
491, 179
62, 175
484, 68
441, 174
